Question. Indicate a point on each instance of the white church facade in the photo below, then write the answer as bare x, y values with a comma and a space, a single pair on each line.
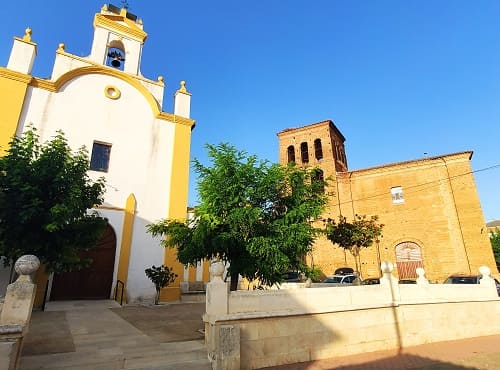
103, 102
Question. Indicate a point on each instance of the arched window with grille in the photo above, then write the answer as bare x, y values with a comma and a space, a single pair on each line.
318, 150
304, 152
291, 154
408, 259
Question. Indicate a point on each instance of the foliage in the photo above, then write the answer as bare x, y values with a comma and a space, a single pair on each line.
495, 244
252, 214
360, 233
161, 277
45, 194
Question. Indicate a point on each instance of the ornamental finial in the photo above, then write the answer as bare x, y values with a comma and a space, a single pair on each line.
27, 34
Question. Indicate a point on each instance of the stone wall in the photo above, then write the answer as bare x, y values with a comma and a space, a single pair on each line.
254, 329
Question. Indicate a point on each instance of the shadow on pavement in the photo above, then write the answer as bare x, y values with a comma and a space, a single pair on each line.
398, 362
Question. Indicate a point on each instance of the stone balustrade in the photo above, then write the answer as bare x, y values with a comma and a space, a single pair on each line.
254, 329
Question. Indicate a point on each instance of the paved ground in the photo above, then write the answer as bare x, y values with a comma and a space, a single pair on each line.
101, 335
467, 354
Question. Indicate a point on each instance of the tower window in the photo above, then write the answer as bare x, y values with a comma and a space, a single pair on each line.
291, 154
116, 56
304, 152
318, 177
397, 195
99, 160
318, 150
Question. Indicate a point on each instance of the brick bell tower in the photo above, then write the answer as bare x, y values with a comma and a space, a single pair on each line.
319, 144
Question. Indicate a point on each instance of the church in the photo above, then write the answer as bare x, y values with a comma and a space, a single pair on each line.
103, 102
429, 207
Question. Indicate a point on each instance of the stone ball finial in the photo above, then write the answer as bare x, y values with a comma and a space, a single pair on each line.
387, 267
217, 269
27, 264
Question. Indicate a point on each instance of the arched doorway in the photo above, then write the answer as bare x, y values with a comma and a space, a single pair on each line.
93, 282
408, 258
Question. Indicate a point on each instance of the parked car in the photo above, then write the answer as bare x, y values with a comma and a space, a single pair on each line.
468, 279
462, 279
291, 276
370, 281
344, 271
340, 279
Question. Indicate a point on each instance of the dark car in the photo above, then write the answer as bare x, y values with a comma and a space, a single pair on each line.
462, 279
291, 276
370, 281
344, 271
468, 279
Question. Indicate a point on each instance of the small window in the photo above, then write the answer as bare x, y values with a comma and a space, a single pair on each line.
99, 160
397, 195
318, 150
304, 152
291, 154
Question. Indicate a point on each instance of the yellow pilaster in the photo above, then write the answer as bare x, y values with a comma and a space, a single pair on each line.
13, 87
178, 203
126, 244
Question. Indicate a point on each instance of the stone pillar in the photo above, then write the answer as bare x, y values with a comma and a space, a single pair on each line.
16, 312
389, 282
217, 296
182, 101
224, 347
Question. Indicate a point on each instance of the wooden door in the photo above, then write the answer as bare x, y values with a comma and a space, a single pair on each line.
93, 282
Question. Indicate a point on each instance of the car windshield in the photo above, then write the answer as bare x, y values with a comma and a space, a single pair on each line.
461, 280
334, 279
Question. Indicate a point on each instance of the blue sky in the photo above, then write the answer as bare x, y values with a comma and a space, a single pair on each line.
398, 78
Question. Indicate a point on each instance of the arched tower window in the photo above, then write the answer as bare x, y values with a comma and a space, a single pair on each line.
291, 154
408, 259
304, 152
115, 56
318, 150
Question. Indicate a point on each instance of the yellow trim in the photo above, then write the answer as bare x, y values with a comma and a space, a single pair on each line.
56, 86
126, 243
91, 63
13, 88
110, 22
112, 92
180, 170
206, 272
14, 75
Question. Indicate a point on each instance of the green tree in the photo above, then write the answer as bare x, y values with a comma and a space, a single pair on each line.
360, 233
45, 195
495, 244
255, 215
161, 277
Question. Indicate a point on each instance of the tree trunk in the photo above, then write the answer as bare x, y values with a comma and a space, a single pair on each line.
157, 297
234, 282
